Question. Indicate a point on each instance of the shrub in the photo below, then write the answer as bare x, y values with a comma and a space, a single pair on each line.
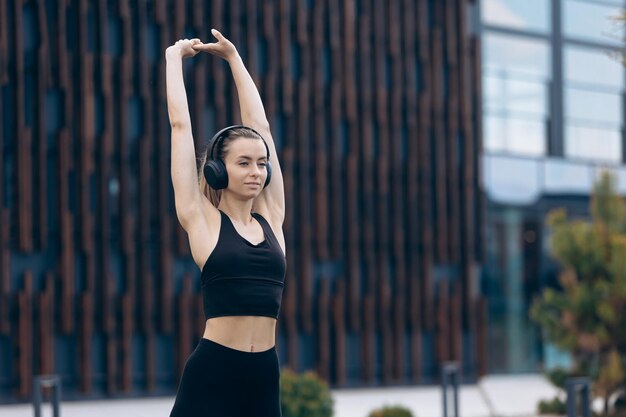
304, 395
554, 406
391, 411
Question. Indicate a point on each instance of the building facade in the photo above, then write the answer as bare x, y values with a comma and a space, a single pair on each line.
375, 107
553, 117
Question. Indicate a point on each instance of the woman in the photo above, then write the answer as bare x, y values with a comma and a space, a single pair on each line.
234, 225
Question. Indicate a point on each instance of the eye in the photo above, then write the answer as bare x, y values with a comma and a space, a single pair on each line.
263, 164
243, 164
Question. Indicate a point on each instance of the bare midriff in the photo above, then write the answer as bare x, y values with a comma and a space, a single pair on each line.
245, 333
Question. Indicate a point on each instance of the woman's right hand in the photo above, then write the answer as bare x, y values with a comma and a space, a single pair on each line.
183, 48
222, 48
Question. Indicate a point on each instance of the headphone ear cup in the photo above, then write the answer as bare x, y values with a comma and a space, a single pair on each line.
268, 168
216, 175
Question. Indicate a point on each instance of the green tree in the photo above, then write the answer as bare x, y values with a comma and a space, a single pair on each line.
586, 316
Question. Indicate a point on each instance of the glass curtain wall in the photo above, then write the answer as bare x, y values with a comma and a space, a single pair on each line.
553, 87
593, 80
516, 76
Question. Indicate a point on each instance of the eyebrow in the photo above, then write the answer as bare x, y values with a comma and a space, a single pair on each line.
250, 158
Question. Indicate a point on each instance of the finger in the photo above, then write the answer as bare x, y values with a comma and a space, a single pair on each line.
217, 34
203, 46
195, 41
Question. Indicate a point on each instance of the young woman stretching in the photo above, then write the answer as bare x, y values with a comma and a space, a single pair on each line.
232, 211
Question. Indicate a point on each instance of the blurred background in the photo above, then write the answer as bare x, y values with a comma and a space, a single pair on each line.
423, 144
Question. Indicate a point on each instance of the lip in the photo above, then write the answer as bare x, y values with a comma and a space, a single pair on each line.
252, 183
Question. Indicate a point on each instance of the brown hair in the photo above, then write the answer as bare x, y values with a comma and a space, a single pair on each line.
220, 152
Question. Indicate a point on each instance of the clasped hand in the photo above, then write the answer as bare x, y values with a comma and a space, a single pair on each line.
190, 47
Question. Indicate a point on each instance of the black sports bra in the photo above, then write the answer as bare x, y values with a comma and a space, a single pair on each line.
243, 279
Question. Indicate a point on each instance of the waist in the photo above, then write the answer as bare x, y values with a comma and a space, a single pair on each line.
245, 333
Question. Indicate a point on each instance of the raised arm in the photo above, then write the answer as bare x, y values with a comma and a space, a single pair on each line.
272, 199
184, 176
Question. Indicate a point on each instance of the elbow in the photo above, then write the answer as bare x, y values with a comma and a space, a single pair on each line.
255, 120
178, 124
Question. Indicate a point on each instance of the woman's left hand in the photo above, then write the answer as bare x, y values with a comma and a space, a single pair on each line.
222, 48
183, 48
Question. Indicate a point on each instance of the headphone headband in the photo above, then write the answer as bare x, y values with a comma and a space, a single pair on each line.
221, 135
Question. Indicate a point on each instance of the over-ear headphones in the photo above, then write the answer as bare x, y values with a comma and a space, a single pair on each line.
215, 169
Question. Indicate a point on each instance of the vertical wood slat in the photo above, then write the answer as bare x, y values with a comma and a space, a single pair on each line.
45, 332
452, 131
368, 353
284, 47
323, 331
319, 131
126, 347
305, 303
4, 42
85, 117
290, 314
481, 348
5, 286
466, 197
24, 134
426, 241
44, 80
183, 345
335, 137
291, 285
304, 181
67, 242
338, 309
398, 190
234, 25
479, 208
456, 331
85, 336
165, 292
353, 257
443, 323
439, 144
24, 337
412, 207
381, 41
269, 89
149, 97
65, 166
4, 212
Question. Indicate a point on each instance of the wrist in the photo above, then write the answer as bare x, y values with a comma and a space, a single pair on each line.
234, 58
173, 52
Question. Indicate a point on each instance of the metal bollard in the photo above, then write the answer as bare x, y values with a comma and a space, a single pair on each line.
450, 376
45, 381
580, 386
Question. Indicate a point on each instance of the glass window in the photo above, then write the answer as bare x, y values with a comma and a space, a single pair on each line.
563, 176
591, 66
515, 135
594, 143
516, 14
516, 56
585, 20
511, 179
506, 94
595, 106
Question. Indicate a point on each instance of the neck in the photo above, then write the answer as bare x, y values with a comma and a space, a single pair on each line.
237, 210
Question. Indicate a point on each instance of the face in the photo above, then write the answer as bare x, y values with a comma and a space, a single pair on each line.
246, 161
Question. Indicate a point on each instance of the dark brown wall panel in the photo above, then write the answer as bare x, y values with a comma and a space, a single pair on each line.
375, 109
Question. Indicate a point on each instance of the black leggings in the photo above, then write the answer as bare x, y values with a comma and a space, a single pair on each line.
219, 381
